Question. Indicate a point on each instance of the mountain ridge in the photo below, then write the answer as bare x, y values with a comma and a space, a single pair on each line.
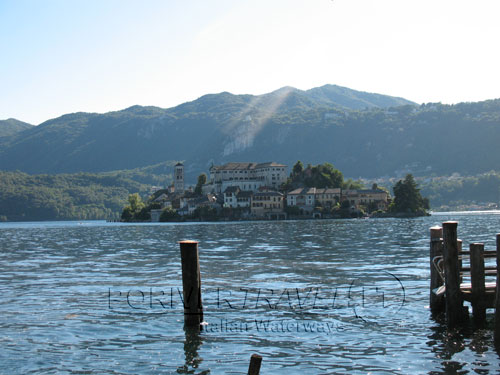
377, 136
12, 126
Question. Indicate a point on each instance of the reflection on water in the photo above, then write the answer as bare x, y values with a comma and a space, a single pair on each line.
460, 348
192, 344
332, 296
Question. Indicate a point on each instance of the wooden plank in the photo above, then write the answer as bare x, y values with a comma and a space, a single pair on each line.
467, 288
488, 287
487, 253
486, 268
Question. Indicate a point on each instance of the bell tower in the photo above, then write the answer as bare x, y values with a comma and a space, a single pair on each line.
179, 178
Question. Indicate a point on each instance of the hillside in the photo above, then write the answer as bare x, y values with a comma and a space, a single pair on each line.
351, 99
12, 126
81, 196
362, 134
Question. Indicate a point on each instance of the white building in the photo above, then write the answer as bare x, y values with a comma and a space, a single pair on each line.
230, 196
234, 197
304, 198
247, 176
249, 185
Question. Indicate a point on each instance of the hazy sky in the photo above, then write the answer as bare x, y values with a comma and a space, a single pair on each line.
65, 56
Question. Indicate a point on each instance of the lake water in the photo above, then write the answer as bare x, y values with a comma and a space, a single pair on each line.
311, 297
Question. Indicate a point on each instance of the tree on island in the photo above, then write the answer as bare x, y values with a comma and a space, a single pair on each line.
350, 184
169, 214
325, 176
407, 198
320, 176
137, 210
298, 168
134, 207
202, 180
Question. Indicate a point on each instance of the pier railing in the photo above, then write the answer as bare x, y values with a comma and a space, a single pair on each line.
459, 275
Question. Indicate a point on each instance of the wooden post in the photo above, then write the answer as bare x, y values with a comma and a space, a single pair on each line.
459, 249
436, 303
191, 283
497, 299
454, 300
477, 281
255, 362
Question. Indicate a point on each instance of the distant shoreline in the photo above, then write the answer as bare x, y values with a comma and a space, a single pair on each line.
431, 213
463, 212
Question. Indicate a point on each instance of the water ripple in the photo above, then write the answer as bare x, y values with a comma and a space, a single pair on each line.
322, 297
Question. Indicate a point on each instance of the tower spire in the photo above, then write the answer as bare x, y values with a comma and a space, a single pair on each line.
179, 177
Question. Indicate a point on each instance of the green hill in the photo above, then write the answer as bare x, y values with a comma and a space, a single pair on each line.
362, 134
12, 126
82, 196
352, 99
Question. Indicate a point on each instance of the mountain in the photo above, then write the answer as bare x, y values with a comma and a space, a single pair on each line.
362, 134
352, 99
11, 126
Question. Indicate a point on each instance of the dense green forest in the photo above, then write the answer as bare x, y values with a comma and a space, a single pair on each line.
82, 196
454, 192
156, 175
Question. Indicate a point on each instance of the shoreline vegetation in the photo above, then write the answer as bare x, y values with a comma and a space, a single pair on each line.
346, 199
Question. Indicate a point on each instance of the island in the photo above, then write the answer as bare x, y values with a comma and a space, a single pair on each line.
265, 191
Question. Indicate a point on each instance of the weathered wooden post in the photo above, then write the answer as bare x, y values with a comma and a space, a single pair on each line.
477, 281
191, 283
459, 248
255, 362
436, 303
454, 300
497, 299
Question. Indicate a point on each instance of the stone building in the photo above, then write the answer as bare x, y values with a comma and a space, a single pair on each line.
247, 176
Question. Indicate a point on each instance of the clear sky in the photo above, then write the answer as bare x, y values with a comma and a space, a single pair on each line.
62, 56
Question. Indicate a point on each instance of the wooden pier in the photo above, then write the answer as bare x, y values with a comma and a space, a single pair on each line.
459, 275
